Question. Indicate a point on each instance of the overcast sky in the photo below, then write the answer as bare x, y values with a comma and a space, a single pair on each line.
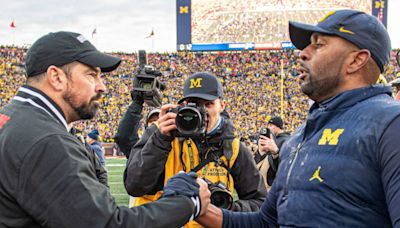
122, 25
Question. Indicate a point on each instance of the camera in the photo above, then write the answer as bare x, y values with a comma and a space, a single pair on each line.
190, 119
265, 132
147, 82
220, 195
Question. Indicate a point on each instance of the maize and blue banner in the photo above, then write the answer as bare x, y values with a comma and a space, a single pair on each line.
379, 10
183, 22
219, 26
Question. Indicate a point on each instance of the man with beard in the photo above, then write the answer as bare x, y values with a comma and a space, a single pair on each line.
46, 176
341, 168
212, 151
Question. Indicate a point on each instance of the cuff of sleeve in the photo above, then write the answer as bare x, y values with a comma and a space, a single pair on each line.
164, 137
225, 217
163, 141
197, 207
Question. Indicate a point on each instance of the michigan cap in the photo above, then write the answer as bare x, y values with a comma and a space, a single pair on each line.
357, 27
61, 48
202, 85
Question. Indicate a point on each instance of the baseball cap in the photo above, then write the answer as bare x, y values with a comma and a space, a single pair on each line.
277, 121
395, 82
94, 134
202, 85
155, 111
359, 28
60, 48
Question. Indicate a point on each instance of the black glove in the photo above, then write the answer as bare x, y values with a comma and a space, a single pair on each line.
137, 97
182, 184
186, 185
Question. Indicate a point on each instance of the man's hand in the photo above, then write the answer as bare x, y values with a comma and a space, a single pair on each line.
266, 144
205, 195
166, 120
191, 186
137, 97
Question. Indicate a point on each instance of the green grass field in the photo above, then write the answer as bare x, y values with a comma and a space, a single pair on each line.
115, 168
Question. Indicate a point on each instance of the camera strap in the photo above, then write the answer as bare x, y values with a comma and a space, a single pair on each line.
212, 157
215, 154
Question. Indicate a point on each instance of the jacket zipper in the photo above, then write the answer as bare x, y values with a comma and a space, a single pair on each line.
291, 162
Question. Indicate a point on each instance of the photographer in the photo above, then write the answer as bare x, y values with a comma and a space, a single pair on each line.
162, 151
127, 133
146, 88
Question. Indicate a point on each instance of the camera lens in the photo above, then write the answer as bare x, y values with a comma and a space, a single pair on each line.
188, 120
221, 199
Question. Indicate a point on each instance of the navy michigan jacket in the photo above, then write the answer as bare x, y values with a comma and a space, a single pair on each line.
339, 169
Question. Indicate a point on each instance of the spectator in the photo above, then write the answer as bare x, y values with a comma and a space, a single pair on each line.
92, 139
267, 156
101, 172
396, 86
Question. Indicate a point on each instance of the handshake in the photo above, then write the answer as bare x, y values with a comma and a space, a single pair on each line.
191, 186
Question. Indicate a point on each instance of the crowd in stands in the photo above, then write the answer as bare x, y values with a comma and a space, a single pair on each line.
252, 83
230, 21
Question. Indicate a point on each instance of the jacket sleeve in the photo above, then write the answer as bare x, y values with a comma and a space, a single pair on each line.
389, 157
249, 184
265, 217
127, 132
101, 172
144, 173
57, 186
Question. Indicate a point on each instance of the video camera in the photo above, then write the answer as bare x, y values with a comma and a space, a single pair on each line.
220, 195
190, 119
146, 81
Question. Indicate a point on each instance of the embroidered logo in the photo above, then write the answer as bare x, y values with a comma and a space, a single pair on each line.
81, 38
195, 83
316, 175
342, 29
3, 120
332, 138
183, 9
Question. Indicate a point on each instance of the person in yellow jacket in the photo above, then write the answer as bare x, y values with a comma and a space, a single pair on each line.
213, 152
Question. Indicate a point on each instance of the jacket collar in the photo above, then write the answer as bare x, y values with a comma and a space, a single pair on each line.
350, 98
37, 98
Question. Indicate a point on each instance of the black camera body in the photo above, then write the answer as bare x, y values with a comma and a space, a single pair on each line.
190, 120
265, 132
220, 195
146, 81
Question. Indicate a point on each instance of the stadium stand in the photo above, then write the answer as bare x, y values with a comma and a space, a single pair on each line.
251, 81
232, 21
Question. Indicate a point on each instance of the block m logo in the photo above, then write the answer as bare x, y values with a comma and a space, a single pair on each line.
195, 83
332, 138
183, 9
